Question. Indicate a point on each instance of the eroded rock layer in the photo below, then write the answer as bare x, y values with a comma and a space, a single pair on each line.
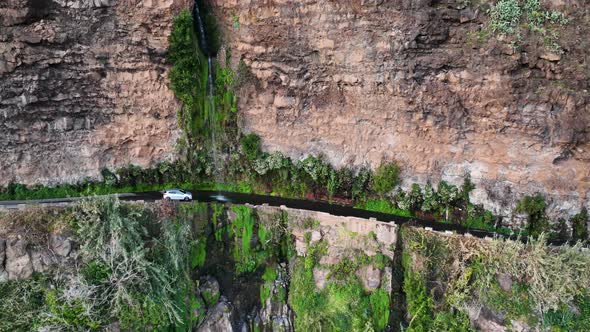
83, 85
364, 82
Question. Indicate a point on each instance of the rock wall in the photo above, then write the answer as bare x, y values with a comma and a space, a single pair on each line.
83, 85
363, 82
19, 258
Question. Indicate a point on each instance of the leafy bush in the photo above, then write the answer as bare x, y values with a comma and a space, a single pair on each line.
386, 178
510, 17
430, 201
143, 281
447, 195
534, 207
505, 16
580, 225
250, 146
360, 184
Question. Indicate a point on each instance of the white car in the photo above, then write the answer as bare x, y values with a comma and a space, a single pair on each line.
178, 195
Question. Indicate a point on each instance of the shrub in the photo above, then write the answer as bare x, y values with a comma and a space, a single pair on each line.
466, 188
360, 183
430, 201
333, 183
534, 208
108, 177
580, 225
143, 280
505, 16
251, 146
386, 178
448, 195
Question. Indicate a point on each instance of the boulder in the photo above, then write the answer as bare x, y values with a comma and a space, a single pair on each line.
209, 289
505, 282
316, 236
218, 318
370, 277
484, 320
42, 260
18, 262
60, 245
276, 315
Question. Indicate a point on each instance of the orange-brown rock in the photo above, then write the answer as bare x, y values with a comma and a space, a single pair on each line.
363, 82
83, 85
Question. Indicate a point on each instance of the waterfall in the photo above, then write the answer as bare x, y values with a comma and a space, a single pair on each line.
199, 28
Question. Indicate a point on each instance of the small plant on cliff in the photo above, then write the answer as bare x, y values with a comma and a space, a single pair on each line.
448, 195
505, 16
580, 225
386, 178
534, 207
512, 17
250, 146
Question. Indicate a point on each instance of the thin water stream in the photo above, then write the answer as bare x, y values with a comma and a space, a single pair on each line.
210, 106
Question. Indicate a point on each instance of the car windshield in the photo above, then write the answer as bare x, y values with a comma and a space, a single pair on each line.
182, 191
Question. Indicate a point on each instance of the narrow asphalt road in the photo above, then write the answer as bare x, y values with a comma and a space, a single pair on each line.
238, 198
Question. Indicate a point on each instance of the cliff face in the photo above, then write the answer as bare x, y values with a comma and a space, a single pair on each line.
83, 86
369, 81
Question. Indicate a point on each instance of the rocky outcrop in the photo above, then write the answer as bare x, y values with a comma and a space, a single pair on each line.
363, 82
209, 290
83, 85
19, 259
218, 318
276, 315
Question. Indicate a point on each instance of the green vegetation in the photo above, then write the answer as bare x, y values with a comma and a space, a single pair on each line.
534, 208
246, 258
251, 146
385, 206
386, 178
269, 276
580, 225
133, 268
539, 285
344, 304
515, 17
199, 253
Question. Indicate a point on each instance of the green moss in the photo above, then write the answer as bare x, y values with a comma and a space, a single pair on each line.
198, 253
269, 276
71, 313
251, 146
385, 206
379, 300
210, 298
